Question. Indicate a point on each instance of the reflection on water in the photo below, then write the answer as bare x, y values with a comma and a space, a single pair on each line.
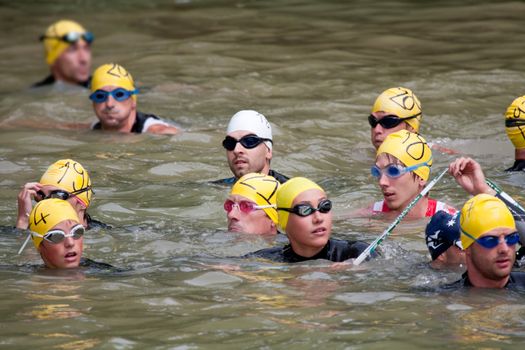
313, 68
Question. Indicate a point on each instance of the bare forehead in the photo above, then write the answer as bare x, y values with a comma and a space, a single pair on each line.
385, 159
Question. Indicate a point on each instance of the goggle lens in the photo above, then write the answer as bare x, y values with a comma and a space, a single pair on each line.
119, 94
387, 122
244, 206
305, 209
490, 242
249, 142
391, 170
57, 236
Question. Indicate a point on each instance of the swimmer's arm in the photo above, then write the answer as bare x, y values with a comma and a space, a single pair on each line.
469, 175
163, 129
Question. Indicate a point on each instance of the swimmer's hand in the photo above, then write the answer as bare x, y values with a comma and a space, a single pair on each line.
25, 205
468, 174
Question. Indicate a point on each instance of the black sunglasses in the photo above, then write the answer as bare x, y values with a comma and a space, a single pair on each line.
61, 194
388, 121
248, 141
72, 37
306, 209
509, 123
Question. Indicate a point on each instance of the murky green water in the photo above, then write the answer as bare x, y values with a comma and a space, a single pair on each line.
313, 68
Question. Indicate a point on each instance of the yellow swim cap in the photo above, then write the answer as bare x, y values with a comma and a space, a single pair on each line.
112, 74
401, 102
261, 189
53, 45
287, 193
481, 214
69, 176
410, 148
515, 122
47, 214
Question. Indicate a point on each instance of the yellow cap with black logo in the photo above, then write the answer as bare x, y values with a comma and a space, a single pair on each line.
515, 122
401, 102
259, 188
48, 213
288, 192
70, 176
481, 214
53, 44
411, 149
112, 74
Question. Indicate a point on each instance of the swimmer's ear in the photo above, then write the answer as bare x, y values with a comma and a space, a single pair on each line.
268, 154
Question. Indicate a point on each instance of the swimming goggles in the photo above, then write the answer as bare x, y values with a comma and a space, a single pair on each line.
388, 121
57, 236
306, 209
394, 170
509, 123
61, 194
248, 141
118, 94
72, 37
244, 206
490, 242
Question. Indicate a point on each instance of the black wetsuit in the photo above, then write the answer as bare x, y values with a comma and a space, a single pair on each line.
92, 223
50, 80
519, 165
138, 126
335, 250
516, 281
231, 180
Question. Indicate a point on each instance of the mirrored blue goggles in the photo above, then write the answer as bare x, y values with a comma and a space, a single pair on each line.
395, 170
490, 242
118, 94
72, 37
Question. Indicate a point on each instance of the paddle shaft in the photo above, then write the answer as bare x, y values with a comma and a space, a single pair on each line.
372, 247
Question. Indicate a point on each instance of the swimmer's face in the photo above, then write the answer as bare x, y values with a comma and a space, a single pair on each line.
309, 234
65, 254
253, 222
243, 160
491, 264
378, 134
74, 64
116, 115
397, 192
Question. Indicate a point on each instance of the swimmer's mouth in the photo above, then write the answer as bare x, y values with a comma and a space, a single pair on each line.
319, 231
71, 255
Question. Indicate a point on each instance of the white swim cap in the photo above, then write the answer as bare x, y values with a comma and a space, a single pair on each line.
253, 122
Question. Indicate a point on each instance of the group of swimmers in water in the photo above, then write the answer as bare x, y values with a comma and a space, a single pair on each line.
482, 236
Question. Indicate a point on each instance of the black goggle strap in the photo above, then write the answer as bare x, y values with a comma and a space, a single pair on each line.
82, 190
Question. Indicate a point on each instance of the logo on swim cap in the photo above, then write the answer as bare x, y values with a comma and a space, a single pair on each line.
410, 148
70, 176
252, 121
288, 192
48, 213
259, 188
53, 45
112, 74
515, 122
481, 214
401, 102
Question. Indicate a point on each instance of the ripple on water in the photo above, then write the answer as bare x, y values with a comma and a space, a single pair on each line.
213, 279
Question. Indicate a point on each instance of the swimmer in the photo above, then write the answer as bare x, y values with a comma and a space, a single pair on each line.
250, 207
249, 146
394, 109
443, 241
65, 179
114, 97
515, 128
489, 237
304, 213
58, 235
469, 175
68, 53
402, 169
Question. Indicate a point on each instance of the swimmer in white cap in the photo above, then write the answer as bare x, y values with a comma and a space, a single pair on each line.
248, 145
